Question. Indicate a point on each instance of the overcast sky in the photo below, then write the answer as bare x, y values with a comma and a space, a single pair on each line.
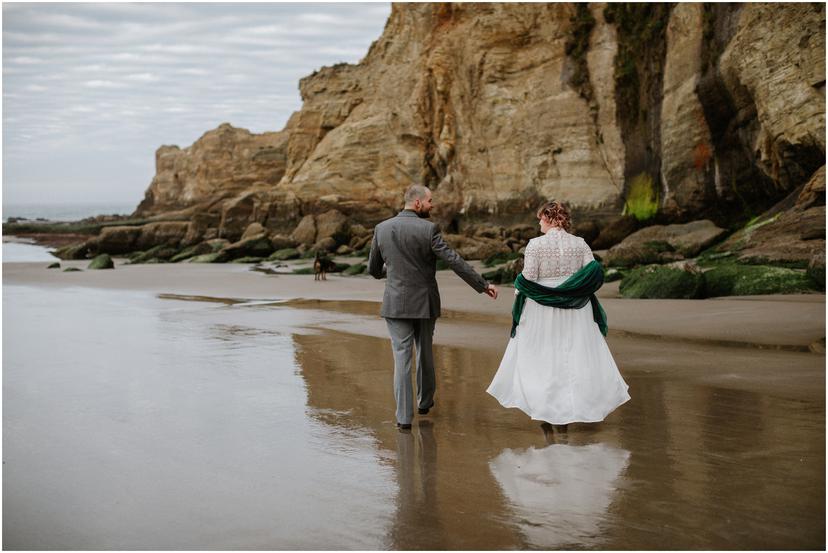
91, 90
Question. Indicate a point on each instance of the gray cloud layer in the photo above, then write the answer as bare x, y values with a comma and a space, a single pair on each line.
91, 90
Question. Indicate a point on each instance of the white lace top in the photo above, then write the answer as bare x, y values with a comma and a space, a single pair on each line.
556, 254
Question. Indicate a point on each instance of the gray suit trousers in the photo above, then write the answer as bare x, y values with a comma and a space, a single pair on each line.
404, 334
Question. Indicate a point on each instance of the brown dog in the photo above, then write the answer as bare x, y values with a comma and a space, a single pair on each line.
320, 267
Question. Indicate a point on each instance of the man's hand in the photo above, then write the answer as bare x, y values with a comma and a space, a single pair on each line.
491, 291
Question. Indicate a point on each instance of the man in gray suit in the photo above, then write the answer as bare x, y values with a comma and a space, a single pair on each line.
408, 246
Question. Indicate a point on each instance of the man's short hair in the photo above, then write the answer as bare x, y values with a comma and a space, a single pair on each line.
415, 192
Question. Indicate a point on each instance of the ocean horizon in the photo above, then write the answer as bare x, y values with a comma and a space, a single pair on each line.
65, 211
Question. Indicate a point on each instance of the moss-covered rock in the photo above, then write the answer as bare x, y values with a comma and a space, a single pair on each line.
160, 253
249, 259
303, 271
356, 269
71, 270
197, 249
103, 261
73, 251
500, 258
54, 265
284, 254
654, 281
748, 280
816, 270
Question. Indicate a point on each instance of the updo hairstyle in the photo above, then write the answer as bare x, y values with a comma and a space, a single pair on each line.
557, 214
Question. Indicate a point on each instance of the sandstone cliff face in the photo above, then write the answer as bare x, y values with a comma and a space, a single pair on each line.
481, 102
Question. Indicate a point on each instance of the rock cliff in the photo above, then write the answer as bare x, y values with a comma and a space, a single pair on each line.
668, 113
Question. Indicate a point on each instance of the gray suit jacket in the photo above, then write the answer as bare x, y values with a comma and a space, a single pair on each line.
409, 247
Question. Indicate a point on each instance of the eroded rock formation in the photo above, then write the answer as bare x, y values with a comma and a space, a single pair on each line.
715, 111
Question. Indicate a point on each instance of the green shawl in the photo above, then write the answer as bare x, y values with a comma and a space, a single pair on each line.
573, 293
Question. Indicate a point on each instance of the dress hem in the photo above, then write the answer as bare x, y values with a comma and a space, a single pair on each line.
534, 418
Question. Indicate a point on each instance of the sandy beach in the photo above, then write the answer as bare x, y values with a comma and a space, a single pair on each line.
236, 409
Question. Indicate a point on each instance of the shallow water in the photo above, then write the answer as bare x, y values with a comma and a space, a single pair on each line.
139, 422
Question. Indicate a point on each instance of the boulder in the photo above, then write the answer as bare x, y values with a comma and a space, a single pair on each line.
71, 270
653, 281
166, 233
258, 246
284, 254
344, 250
816, 270
117, 240
55, 265
326, 244
477, 247
75, 251
198, 249
748, 280
253, 230
281, 241
359, 242
103, 261
332, 224
305, 231
248, 259
778, 240
588, 230
614, 232
664, 243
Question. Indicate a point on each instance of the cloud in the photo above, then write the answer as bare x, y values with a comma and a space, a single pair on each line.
143, 77
81, 78
103, 84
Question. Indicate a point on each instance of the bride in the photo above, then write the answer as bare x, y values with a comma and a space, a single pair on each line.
557, 367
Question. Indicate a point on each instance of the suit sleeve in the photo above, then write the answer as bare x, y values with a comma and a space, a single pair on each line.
376, 265
457, 263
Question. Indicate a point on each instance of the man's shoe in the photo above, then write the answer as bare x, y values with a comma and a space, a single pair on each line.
402, 426
423, 411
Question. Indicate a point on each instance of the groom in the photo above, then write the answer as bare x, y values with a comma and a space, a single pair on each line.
409, 245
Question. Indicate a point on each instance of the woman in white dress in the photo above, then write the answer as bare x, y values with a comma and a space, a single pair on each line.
557, 367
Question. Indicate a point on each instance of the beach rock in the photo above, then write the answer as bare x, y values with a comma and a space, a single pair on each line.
332, 224
611, 275
159, 253
71, 270
116, 240
614, 232
198, 249
305, 231
816, 270
74, 251
54, 265
248, 259
325, 245
166, 233
281, 241
254, 230
664, 243
258, 246
102, 261
654, 282
477, 247
284, 254
813, 193
748, 280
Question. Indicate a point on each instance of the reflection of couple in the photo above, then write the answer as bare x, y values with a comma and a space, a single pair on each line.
557, 367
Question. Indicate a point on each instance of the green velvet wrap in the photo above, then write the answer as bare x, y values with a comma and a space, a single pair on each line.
573, 293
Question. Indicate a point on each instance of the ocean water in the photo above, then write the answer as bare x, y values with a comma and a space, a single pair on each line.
67, 211
18, 252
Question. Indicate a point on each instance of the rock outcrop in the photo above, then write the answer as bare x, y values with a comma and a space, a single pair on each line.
669, 112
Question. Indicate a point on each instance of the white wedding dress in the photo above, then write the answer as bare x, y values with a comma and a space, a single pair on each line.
558, 368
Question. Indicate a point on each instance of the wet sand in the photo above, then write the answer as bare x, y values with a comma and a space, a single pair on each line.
240, 415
